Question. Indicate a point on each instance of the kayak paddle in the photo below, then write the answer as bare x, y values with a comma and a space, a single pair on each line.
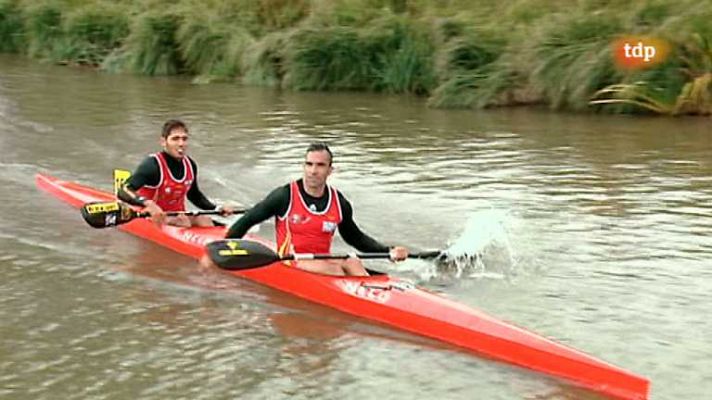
238, 254
108, 214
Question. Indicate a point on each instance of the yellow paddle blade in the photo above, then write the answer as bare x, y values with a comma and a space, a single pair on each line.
120, 177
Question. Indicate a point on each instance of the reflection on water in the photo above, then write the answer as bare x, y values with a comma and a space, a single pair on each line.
603, 242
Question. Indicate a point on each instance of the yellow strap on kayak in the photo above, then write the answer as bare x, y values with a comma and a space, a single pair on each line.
120, 177
285, 247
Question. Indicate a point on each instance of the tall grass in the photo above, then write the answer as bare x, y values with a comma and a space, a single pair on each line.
457, 53
12, 31
43, 25
152, 47
390, 56
681, 85
464, 64
212, 50
573, 59
404, 61
281, 14
263, 61
93, 31
330, 59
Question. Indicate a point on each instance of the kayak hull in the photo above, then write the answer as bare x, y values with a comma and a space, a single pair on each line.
391, 301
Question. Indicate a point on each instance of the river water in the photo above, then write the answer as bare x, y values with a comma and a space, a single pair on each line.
594, 230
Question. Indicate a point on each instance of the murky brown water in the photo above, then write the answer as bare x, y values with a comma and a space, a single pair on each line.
608, 222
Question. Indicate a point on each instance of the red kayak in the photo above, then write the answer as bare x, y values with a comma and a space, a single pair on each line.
392, 301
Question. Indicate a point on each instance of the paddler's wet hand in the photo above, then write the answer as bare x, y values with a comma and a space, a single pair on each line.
158, 216
398, 253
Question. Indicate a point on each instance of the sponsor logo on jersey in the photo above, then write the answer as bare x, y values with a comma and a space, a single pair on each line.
328, 226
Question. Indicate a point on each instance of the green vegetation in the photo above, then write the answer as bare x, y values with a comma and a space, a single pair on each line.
12, 39
390, 55
93, 32
457, 53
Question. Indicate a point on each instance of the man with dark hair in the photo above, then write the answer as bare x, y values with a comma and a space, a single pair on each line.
163, 180
307, 213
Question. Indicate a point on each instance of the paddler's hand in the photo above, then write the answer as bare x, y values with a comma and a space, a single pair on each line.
398, 253
226, 210
158, 216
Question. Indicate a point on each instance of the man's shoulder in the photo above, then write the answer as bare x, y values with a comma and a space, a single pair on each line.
339, 193
192, 162
343, 201
281, 190
149, 160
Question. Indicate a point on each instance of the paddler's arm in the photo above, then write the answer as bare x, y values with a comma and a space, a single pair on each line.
353, 235
274, 204
195, 195
147, 174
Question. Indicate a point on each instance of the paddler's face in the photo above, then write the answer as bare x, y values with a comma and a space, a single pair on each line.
317, 167
176, 143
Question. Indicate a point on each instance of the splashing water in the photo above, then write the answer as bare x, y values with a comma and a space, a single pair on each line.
483, 242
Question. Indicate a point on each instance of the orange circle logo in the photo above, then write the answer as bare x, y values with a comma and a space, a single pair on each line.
639, 52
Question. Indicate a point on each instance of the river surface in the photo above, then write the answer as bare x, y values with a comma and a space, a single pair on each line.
596, 231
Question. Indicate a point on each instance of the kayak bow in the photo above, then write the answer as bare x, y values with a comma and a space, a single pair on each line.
391, 301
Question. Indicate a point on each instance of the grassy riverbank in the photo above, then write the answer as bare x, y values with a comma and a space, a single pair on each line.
457, 53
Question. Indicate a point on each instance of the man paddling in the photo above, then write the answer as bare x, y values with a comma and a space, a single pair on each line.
163, 180
307, 213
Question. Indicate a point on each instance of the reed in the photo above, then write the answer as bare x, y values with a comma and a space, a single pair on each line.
681, 85
211, 51
573, 59
12, 30
464, 64
93, 31
281, 14
456, 53
263, 61
151, 47
43, 25
391, 56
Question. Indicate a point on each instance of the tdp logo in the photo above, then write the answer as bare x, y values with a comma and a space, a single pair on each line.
639, 52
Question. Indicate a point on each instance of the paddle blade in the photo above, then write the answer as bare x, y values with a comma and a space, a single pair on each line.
238, 254
107, 214
120, 177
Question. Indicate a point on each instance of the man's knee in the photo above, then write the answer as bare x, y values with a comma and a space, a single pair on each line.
201, 220
179, 220
354, 266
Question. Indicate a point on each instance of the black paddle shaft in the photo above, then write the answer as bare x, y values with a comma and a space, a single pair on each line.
240, 254
109, 214
145, 214
426, 254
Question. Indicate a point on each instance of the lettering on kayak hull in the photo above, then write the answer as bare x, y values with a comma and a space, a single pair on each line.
195, 238
355, 288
